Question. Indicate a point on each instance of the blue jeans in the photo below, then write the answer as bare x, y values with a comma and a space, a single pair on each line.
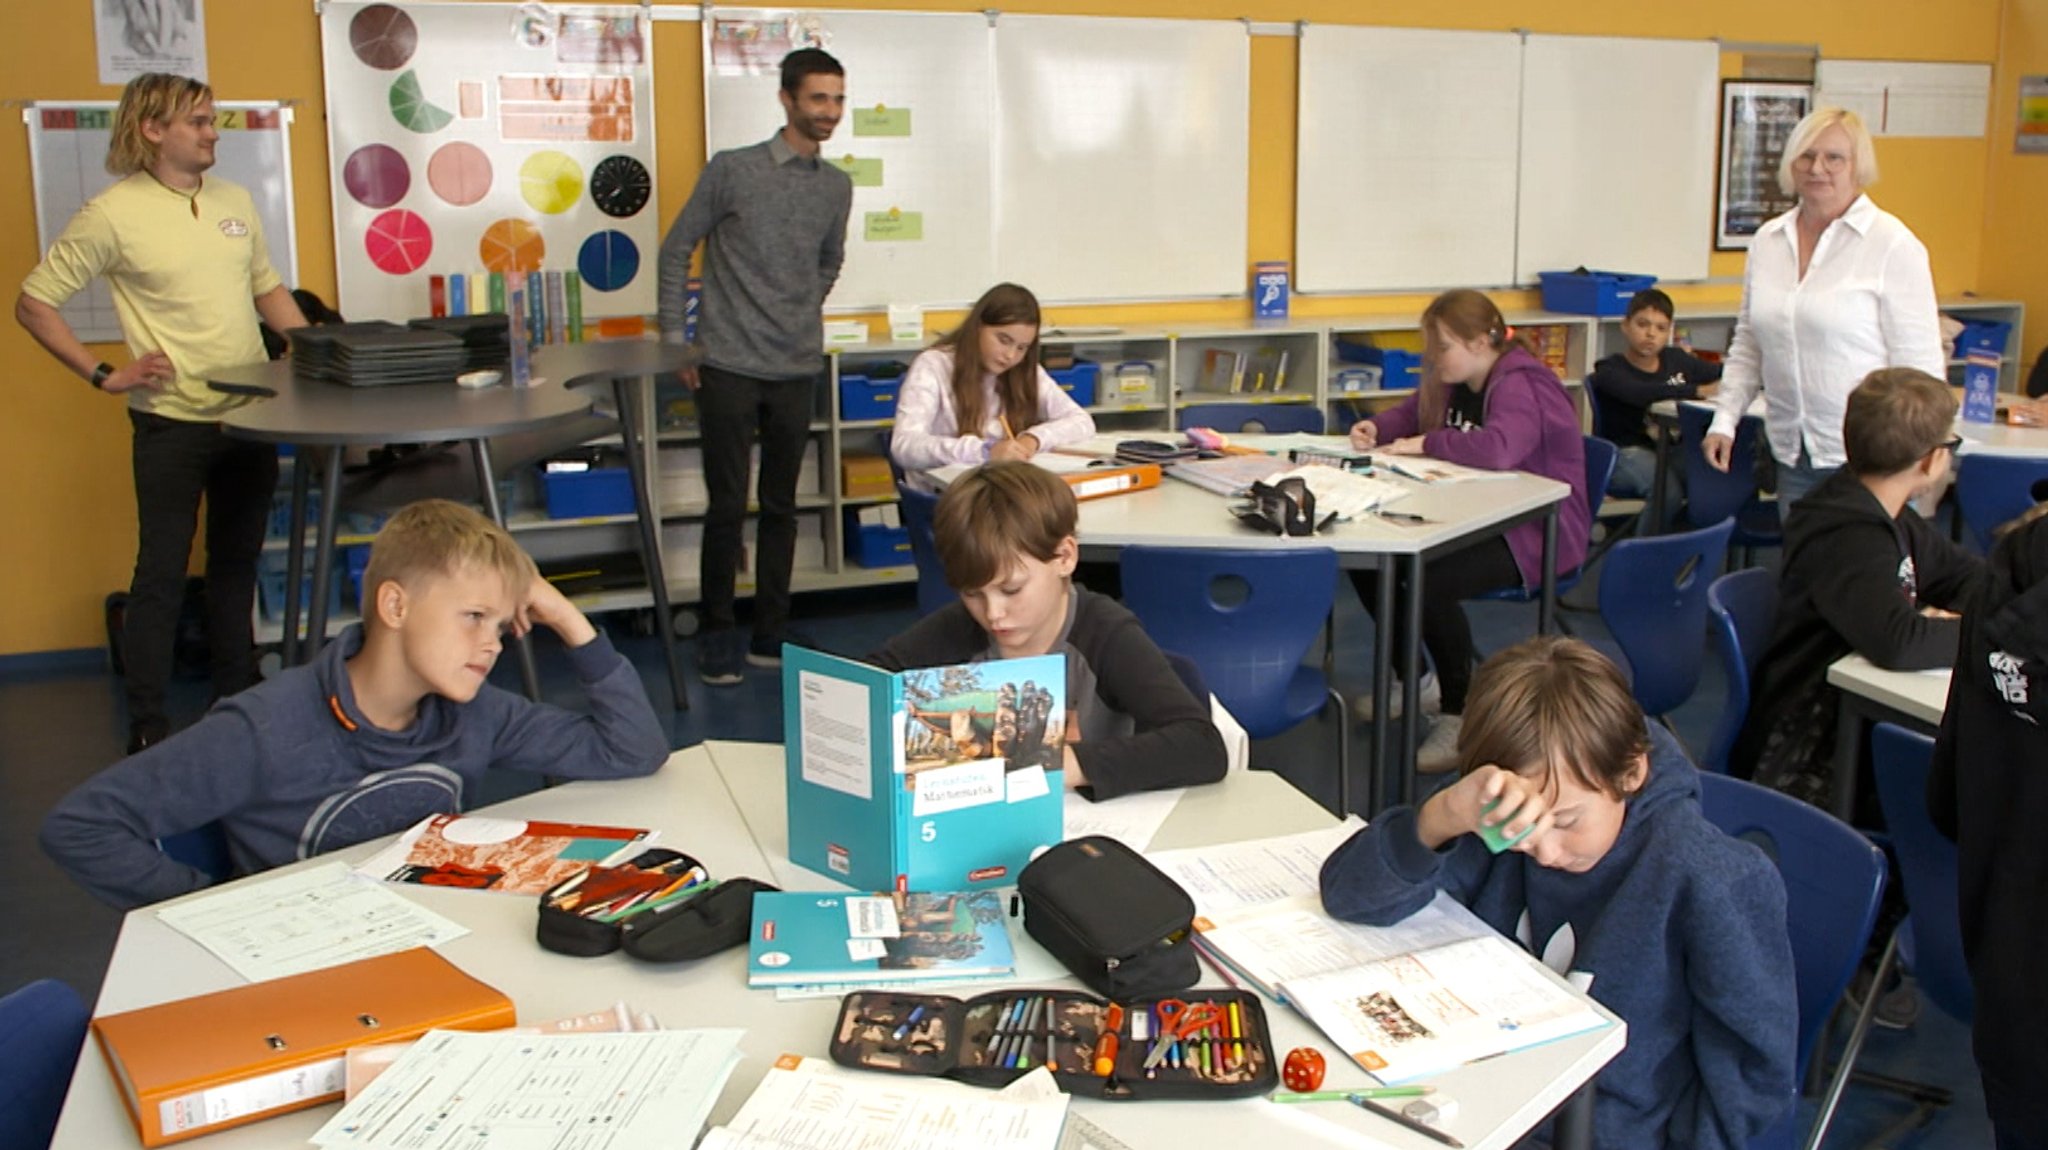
1796, 479
1635, 471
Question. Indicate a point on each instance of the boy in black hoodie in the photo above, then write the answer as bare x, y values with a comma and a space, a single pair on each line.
1994, 803
1863, 573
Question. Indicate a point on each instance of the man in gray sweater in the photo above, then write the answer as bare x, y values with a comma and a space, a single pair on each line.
773, 221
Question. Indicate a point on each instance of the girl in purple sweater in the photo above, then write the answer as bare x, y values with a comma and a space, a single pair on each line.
1484, 402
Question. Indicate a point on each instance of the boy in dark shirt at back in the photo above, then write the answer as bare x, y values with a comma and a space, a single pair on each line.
1627, 383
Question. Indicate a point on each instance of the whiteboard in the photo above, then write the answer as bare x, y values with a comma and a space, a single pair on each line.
934, 66
1899, 98
466, 139
1122, 156
67, 145
1405, 170
1617, 170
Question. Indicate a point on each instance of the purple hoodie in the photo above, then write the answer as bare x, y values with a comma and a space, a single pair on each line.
1529, 425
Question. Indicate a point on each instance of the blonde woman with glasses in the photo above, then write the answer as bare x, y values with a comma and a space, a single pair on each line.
1836, 288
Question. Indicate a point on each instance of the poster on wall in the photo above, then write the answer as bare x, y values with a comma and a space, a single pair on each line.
137, 36
1757, 118
2031, 130
473, 143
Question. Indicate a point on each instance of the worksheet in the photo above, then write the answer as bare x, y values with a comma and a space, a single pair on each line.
306, 920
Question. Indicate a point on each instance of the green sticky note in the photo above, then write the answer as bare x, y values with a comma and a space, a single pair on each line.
1492, 836
865, 170
881, 227
881, 121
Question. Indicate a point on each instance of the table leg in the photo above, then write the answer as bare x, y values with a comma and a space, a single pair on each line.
1382, 690
1411, 682
1848, 749
295, 559
480, 451
1546, 607
1574, 1127
1663, 446
323, 554
646, 513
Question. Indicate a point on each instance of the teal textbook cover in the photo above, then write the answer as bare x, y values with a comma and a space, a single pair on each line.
808, 938
944, 778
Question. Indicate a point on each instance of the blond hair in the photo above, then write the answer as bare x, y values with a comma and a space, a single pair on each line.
151, 98
997, 513
1809, 129
435, 537
1554, 705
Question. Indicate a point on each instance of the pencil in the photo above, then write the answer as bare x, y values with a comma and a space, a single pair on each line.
1007, 433
1215, 963
1362, 1092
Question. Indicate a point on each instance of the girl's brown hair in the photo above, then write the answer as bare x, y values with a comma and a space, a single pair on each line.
151, 98
1017, 388
1461, 314
1556, 705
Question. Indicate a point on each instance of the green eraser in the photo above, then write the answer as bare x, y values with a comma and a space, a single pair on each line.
1491, 834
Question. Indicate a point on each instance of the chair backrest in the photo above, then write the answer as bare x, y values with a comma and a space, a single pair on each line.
1278, 418
42, 1029
1190, 674
1600, 457
933, 592
1742, 607
1653, 599
1995, 489
1245, 616
1710, 495
1833, 876
1901, 760
205, 848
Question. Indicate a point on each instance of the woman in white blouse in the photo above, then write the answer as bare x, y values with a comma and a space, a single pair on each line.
1835, 289
979, 394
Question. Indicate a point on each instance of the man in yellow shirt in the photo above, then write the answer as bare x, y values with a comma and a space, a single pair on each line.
185, 257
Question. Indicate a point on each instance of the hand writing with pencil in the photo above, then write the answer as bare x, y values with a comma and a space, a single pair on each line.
1412, 445
1365, 435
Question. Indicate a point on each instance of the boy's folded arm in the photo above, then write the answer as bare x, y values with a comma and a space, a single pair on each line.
620, 738
1175, 744
1739, 971
1858, 594
1384, 873
103, 834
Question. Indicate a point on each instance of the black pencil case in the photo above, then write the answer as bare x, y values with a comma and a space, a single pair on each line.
569, 922
1114, 919
993, 1039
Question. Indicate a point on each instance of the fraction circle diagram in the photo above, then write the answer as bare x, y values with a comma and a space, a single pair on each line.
376, 175
511, 246
459, 173
398, 242
619, 185
412, 110
609, 260
551, 182
383, 37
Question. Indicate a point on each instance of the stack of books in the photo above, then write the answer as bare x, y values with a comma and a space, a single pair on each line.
819, 940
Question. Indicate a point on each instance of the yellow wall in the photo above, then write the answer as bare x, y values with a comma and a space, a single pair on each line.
68, 519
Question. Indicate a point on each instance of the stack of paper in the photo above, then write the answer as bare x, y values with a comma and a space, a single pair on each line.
809, 1104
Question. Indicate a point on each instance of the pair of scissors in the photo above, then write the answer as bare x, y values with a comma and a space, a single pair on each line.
1177, 1021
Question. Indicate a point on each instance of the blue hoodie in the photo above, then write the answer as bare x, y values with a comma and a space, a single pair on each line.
1682, 928
292, 769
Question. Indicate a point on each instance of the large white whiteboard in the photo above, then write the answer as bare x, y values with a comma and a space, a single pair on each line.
67, 146
1405, 176
935, 65
1122, 153
1618, 155
1084, 158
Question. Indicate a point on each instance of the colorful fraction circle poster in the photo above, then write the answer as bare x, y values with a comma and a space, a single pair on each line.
459, 149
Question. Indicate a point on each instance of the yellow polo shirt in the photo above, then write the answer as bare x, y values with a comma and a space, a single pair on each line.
183, 284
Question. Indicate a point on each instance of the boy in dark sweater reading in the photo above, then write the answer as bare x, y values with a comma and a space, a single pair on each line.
392, 722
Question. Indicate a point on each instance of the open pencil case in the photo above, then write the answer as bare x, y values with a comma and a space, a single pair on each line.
1093, 1047
660, 905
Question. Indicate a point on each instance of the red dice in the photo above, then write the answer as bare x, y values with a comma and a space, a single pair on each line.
1303, 1070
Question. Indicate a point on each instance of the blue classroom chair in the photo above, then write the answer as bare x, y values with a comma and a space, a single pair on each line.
1653, 599
42, 1029
1278, 418
1992, 490
1711, 496
933, 592
1247, 617
204, 848
1742, 607
1600, 457
1834, 878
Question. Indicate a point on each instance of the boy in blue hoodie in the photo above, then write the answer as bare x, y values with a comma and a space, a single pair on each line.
392, 722
1614, 874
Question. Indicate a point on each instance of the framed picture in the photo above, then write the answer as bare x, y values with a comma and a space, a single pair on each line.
1757, 118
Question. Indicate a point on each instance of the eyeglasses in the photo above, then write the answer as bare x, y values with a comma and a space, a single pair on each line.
1953, 443
1825, 161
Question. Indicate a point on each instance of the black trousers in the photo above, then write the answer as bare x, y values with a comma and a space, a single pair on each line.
1447, 581
177, 461
732, 410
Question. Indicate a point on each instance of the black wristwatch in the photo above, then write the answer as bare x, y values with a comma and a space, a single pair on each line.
100, 374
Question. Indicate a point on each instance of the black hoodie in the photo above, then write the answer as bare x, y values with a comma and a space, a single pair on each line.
1989, 791
1854, 580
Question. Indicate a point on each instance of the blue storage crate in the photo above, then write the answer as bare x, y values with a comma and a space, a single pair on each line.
1079, 380
874, 545
1591, 293
1399, 370
1984, 336
870, 394
583, 494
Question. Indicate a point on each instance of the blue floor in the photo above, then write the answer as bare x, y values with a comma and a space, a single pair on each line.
57, 727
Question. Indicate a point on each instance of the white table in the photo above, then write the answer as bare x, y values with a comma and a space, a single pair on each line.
716, 801
1870, 694
1177, 514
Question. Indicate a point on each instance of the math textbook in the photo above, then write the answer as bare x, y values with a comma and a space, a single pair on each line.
510, 856
813, 938
944, 778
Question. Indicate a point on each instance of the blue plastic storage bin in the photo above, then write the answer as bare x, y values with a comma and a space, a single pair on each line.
874, 545
583, 494
1079, 380
870, 394
1591, 293
1986, 336
1399, 370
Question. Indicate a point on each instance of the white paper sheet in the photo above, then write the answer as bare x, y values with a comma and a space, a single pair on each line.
454, 1090
1275, 943
306, 920
1130, 819
1258, 870
812, 1105
836, 738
